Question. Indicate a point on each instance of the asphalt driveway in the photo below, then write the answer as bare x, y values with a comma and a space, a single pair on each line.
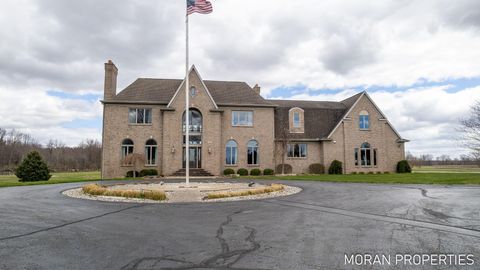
42, 229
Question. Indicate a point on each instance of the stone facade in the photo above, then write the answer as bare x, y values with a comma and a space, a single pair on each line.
166, 128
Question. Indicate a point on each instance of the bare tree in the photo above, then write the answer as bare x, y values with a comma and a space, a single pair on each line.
284, 139
470, 127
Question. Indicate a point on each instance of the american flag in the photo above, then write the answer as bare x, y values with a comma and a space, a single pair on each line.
199, 6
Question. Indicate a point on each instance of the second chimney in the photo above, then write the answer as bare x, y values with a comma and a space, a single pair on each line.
110, 86
256, 88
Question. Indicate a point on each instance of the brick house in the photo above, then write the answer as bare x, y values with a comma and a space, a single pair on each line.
232, 126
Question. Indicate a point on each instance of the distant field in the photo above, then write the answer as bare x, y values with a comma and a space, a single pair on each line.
12, 180
447, 169
405, 178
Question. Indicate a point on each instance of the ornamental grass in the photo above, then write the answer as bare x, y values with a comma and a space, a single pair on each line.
97, 190
256, 191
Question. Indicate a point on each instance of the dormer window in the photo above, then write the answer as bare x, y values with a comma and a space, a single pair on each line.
364, 120
296, 120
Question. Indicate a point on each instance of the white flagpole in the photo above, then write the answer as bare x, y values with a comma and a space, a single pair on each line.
187, 113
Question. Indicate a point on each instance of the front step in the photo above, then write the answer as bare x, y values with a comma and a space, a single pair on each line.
193, 172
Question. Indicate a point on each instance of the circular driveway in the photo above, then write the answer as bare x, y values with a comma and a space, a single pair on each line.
42, 229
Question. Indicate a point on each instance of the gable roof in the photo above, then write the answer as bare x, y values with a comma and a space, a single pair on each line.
163, 91
323, 117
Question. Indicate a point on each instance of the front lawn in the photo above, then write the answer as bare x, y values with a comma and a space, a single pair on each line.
57, 178
413, 178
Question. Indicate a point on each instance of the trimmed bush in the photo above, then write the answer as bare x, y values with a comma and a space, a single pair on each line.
255, 172
379, 172
287, 169
316, 168
148, 172
361, 173
268, 172
130, 174
33, 168
242, 172
370, 172
353, 173
335, 167
386, 172
228, 171
403, 167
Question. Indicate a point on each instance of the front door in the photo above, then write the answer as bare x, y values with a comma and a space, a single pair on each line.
195, 156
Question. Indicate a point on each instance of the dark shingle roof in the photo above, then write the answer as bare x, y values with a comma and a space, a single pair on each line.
162, 91
321, 117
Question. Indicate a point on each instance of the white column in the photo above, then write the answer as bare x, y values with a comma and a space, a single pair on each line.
187, 114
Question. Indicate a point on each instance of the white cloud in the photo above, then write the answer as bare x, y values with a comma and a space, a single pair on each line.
428, 116
51, 44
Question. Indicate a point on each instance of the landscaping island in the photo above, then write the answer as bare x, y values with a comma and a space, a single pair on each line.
180, 193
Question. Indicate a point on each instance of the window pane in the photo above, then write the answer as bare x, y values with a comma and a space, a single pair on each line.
296, 119
242, 118
234, 155
140, 115
228, 156
303, 150
374, 157
368, 157
132, 116
362, 156
366, 122
148, 116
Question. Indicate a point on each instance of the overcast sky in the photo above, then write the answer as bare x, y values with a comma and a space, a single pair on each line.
419, 60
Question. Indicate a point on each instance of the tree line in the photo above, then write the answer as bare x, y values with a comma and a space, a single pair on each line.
15, 145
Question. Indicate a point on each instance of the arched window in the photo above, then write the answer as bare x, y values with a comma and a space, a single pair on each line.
365, 155
195, 121
231, 152
151, 152
252, 152
296, 116
127, 147
364, 120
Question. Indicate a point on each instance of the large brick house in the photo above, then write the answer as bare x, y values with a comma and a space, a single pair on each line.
232, 126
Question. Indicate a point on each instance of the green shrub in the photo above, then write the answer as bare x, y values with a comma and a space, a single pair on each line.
33, 168
335, 167
379, 172
361, 173
148, 172
287, 169
353, 173
228, 171
403, 167
130, 174
386, 172
268, 172
370, 172
316, 168
255, 172
242, 172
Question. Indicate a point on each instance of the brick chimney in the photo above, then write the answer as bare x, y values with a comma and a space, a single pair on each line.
110, 86
256, 88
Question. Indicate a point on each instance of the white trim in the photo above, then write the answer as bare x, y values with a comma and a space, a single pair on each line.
384, 118
193, 68
345, 115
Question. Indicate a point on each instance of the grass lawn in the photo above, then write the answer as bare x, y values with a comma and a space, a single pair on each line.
12, 180
447, 169
414, 178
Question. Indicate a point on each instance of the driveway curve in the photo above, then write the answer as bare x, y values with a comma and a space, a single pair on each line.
42, 229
